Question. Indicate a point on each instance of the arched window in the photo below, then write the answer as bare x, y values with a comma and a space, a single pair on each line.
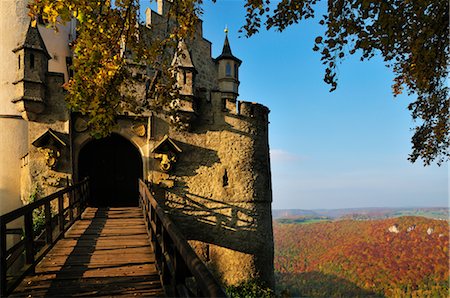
236, 71
31, 61
228, 69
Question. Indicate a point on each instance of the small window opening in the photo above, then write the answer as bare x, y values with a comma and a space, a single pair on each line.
19, 61
69, 67
225, 179
207, 253
224, 104
184, 77
236, 71
32, 61
228, 70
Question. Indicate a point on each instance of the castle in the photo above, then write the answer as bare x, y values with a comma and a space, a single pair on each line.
213, 179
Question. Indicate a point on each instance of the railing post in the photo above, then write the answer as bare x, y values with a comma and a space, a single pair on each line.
27, 245
3, 268
175, 258
61, 213
29, 237
140, 196
48, 223
70, 194
181, 271
79, 200
84, 193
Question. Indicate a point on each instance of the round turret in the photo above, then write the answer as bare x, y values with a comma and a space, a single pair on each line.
228, 71
24, 68
14, 23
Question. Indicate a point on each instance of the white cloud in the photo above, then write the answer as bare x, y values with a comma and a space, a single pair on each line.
280, 155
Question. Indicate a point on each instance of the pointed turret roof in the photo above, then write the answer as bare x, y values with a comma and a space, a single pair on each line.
182, 57
226, 51
33, 40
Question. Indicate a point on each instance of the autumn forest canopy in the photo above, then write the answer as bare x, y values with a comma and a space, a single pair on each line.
411, 36
395, 257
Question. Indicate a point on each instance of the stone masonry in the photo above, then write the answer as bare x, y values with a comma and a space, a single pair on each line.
213, 178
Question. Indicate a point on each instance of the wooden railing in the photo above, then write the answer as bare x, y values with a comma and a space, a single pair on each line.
183, 274
30, 244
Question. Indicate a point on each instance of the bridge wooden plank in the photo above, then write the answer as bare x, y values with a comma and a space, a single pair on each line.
85, 251
106, 254
118, 243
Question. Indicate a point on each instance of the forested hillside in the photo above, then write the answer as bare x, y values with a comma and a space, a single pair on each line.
396, 257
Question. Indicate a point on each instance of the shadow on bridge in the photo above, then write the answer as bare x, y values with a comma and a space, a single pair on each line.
106, 253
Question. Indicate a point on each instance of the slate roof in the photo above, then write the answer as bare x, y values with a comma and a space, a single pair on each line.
226, 52
33, 40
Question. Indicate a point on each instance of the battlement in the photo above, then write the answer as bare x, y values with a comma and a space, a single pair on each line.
245, 109
252, 109
159, 17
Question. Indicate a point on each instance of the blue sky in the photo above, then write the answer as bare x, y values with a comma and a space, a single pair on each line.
343, 149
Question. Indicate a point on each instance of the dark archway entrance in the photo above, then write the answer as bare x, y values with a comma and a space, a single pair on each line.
114, 166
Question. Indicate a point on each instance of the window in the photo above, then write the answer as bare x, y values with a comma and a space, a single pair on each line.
225, 178
228, 69
69, 66
19, 61
32, 61
236, 71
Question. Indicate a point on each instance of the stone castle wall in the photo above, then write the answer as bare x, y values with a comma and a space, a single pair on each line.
13, 129
219, 191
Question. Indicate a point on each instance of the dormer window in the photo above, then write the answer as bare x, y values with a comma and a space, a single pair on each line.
228, 69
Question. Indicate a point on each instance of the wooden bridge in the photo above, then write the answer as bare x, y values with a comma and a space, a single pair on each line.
98, 252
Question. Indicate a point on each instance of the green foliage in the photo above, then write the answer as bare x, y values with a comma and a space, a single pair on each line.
38, 214
436, 214
250, 289
38, 221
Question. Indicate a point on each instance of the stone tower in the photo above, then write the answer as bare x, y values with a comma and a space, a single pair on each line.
32, 67
13, 128
23, 91
213, 176
228, 73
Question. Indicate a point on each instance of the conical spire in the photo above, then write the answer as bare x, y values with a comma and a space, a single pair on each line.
226, 50
33, 40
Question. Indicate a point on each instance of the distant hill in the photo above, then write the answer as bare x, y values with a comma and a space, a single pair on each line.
395, 257
364, 213
284, 213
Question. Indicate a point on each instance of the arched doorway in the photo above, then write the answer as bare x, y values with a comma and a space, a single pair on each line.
114, 166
